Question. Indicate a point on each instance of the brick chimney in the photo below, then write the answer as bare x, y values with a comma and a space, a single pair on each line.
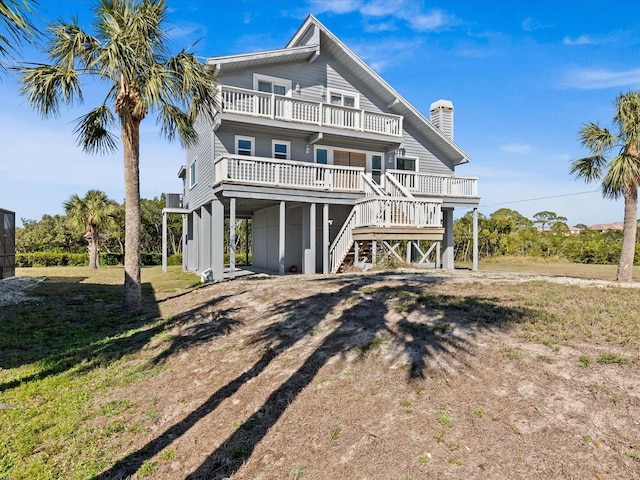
442, 117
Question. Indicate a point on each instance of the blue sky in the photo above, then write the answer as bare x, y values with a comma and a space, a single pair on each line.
523, 77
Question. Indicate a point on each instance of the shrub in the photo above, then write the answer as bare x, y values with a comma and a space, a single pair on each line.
175, 259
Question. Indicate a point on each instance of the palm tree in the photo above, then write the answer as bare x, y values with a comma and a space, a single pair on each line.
619, 176
129, 52
16, 26
90, 213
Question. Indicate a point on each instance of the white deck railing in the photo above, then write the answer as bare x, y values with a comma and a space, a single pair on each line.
287, 173
397, 212
438, 185
342, 243
278, 107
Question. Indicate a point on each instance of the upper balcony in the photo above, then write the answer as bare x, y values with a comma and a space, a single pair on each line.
258, 104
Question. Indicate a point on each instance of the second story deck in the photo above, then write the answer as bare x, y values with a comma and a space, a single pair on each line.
273, 173
253, 103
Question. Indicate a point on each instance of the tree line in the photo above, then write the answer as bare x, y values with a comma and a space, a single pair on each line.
98, 221
508, 233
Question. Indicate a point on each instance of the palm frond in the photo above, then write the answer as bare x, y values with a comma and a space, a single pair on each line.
46, 86
597, 140
623, 174
92, 131
627, 116
18, 28
174, 122
588, 169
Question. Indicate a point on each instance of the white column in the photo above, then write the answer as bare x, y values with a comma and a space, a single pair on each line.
312, 239
475, 240
281, 235
325, 238
217, 239
447, 260
232, 238
164, 241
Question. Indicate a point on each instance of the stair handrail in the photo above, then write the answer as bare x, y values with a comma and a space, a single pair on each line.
395, 187
342, 243
371, 188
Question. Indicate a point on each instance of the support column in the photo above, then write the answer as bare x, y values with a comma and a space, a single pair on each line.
325, 238
475, 240
311, 261
409, 246
217, 239
281, 235
246, 242
232, 238
164, 241
447, 260
374, 253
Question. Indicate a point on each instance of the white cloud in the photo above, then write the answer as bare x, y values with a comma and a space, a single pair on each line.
383, 54
408, 11
581, 40
592, 79
529, 24
518, 148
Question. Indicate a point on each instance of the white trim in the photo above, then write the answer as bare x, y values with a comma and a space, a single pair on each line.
342, 93
407, 157
281, 142
243, 137
193, 173
257, 77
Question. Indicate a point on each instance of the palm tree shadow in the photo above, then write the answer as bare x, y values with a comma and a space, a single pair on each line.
357, 312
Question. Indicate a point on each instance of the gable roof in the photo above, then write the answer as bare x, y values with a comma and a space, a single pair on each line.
306, 44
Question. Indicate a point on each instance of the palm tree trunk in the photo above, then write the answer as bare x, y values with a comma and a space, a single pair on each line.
93, 249
625, 267
132, 281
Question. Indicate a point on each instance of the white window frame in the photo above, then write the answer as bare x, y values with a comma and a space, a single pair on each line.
193, 173
257, 77
281, 142
342, 93
242, 137
407, 157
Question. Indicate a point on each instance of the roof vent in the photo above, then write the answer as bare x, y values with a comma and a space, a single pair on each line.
442, 117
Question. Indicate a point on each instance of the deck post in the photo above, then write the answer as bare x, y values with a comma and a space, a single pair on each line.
325, 239
232, 238
217, 239
475, 240
447, 260
312, 239
281, 234
374, 251
164, 241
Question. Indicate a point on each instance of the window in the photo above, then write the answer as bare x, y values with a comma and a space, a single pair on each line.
267, 84
376, 168
404, 163
245, 146
281, 149
344, 99
322, 156
192, 174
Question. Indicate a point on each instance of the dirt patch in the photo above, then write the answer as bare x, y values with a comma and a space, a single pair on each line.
343, 377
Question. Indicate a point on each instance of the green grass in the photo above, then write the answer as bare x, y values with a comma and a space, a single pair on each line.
59, 355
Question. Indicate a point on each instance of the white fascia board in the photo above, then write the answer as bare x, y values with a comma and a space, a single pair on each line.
275, 55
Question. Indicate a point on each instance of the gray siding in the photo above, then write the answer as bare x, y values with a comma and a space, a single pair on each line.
201, 153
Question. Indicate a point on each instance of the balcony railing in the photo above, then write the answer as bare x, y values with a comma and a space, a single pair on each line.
397, 212
285, 173
278, 107
436, 185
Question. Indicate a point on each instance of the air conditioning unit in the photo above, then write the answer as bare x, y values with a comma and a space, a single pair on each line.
174, 200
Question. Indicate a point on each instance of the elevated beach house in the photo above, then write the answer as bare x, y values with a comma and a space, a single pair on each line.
328, 161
